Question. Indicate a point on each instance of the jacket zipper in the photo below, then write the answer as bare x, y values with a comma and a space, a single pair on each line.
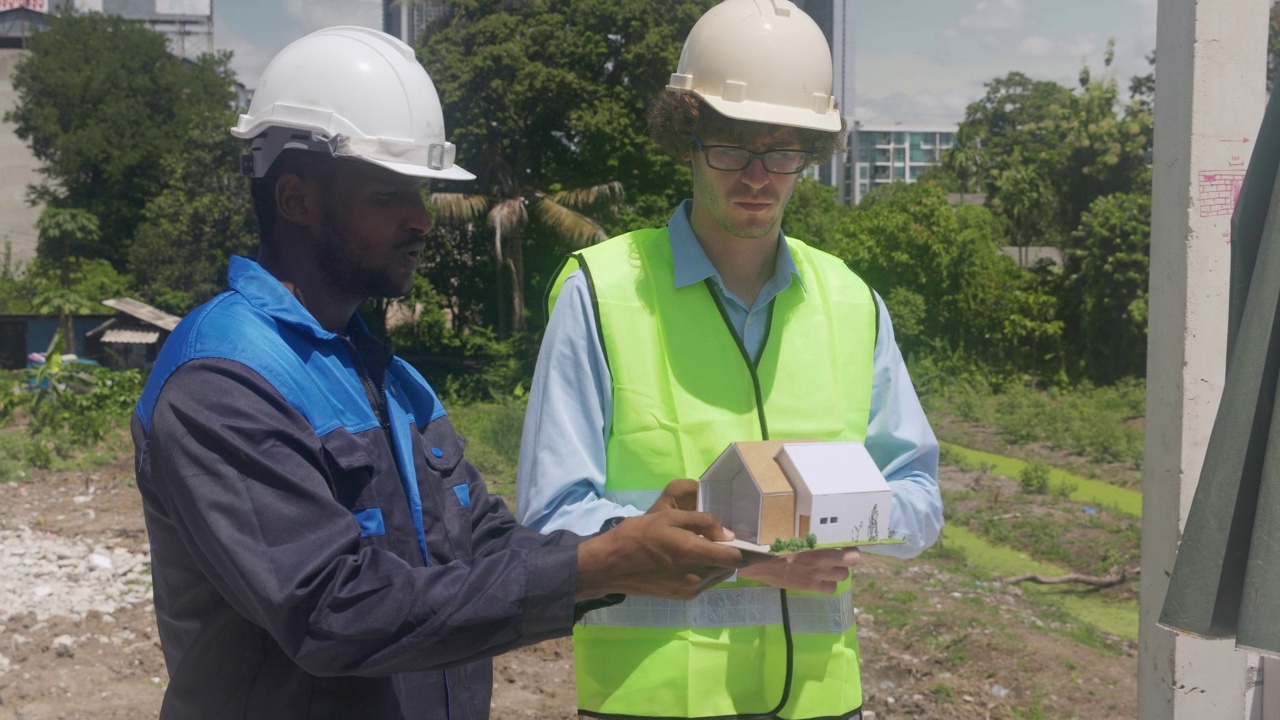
375, 394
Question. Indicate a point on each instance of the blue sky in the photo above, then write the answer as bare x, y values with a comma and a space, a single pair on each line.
918, 61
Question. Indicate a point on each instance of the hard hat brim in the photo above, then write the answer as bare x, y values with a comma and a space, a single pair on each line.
772, 114
453, 172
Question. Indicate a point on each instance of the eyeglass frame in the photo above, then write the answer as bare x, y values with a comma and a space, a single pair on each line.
751, 157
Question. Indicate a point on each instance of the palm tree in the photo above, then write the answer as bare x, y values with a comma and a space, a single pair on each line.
508, 215
966, 162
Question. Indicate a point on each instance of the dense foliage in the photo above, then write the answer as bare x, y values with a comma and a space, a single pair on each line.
1067, 170
100, 102
546, 100
202, 215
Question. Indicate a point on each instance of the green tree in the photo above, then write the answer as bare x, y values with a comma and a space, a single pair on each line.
1043, 152
1106, 283
1025, 197
946, 283
814, 215
964, 163
58, 281
202, 215
100, 101
1273, 44
547, 95
508, 217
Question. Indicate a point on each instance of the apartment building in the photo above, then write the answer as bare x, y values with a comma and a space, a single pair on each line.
882, 154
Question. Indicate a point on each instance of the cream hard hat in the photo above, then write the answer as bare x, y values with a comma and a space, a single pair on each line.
351, 92
760, 60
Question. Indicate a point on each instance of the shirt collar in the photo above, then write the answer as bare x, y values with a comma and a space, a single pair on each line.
265, 292
693, 266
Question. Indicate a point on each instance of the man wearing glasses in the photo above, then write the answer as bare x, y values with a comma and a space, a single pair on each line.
665, 345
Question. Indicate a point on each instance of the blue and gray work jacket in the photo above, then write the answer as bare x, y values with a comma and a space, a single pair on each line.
320, 547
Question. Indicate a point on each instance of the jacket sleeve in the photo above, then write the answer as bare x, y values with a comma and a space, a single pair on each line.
246, 483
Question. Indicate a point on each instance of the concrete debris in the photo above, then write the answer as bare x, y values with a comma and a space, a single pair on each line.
54, 576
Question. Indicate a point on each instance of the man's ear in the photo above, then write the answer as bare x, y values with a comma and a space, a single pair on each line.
298, 200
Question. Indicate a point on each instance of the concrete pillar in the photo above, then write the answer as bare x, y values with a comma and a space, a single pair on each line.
1210, 95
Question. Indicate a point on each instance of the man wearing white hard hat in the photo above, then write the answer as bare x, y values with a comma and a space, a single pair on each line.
320, 546
665, 345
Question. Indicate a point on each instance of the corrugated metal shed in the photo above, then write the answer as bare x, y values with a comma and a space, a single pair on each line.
138, 336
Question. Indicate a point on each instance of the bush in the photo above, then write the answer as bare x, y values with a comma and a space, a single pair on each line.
1034, 478
1104, 424
71, 407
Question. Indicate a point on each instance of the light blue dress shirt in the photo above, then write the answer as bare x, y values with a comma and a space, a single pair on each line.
560, 481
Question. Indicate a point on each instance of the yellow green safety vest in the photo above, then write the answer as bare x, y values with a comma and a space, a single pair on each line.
684, 387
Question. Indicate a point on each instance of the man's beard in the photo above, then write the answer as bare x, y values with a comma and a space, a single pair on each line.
342, 264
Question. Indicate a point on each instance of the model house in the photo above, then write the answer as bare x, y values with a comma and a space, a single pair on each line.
772, 489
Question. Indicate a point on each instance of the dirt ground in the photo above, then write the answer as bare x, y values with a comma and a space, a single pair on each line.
937, 641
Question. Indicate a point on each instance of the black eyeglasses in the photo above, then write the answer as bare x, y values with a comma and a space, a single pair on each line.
733, 158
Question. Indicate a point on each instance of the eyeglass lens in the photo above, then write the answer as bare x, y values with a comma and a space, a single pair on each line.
784, 162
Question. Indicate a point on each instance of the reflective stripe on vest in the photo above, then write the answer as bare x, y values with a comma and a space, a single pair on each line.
731, 607
683, 388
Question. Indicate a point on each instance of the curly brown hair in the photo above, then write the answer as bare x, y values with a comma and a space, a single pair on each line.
675, 117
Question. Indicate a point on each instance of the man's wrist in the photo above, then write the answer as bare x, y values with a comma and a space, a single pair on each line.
582, 607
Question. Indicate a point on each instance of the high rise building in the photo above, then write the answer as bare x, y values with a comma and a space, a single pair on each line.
188, 24
835, 17
407, 19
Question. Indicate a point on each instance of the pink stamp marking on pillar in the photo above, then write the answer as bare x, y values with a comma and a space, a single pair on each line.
1218, 192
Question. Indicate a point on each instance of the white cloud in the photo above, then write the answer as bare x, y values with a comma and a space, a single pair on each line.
255, 43
996, 15
311, 15
1076, 48
248, 60
1036, 46
922, 108
1147, 26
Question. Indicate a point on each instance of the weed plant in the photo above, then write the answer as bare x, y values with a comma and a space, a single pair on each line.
1049, 529
1034, 478
1102, 423
74, 416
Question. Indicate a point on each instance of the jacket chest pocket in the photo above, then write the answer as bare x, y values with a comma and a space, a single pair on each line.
361, 481
447, 483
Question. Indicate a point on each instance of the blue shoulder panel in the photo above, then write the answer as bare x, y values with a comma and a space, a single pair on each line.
316, 377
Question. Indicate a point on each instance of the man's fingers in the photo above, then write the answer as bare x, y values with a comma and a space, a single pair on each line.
677, 495
684, 492
838, 557
701, 523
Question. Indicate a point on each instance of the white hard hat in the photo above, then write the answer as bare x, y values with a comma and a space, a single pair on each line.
351, 92
760, 60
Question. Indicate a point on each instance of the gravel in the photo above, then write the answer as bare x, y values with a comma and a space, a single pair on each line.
50, 575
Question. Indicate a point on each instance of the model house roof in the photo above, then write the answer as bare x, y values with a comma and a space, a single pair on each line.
830, 468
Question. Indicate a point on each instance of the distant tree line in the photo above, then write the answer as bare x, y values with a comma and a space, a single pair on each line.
545, 100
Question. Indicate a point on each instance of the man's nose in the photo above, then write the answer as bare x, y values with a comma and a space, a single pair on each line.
754, 173
419, 220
